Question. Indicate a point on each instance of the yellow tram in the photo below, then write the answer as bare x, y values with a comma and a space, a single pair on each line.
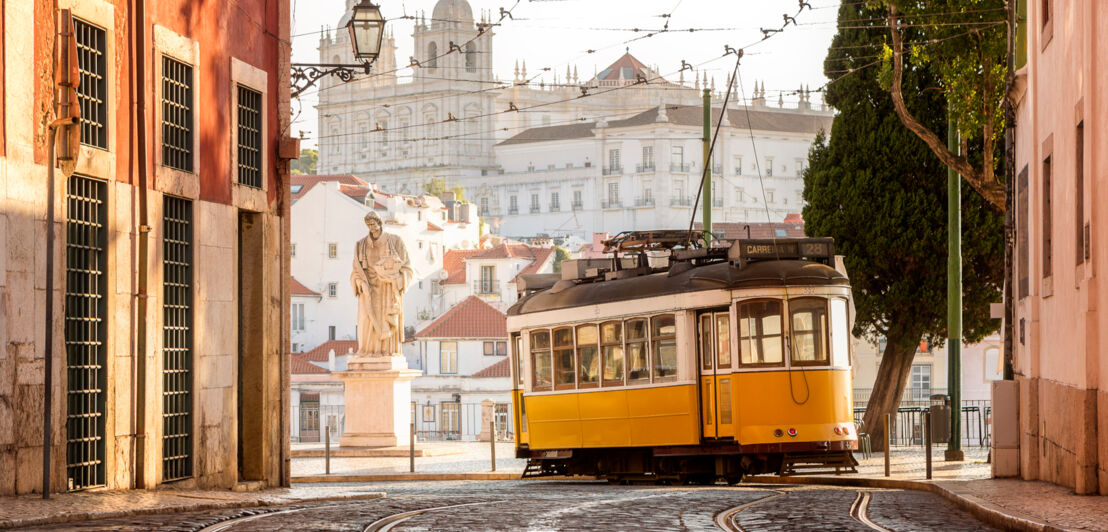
722, 362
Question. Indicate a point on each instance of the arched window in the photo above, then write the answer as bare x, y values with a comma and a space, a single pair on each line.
471, 58
433, 55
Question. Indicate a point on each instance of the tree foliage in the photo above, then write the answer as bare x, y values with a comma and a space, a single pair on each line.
879, 190
437, 186
964, 44
561, 255
306, 164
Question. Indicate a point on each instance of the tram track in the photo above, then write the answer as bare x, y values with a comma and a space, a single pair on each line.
859, 511
387, 523
228, 524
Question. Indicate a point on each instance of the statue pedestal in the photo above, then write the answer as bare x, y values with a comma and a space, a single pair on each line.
378, 392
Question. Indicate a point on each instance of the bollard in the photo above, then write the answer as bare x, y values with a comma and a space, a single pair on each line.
492, 442
411, 448
888, 442
327, 449
927, 440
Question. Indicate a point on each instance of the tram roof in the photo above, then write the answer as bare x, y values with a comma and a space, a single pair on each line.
722, 275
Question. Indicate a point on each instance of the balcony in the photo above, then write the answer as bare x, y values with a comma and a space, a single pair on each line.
683, 168
644, 202
717, 202
554, 207
644, 168
578, 207
615, 170
513, 210
680, 202
534, 209
486, 287
611, 205
738, 171
717, 170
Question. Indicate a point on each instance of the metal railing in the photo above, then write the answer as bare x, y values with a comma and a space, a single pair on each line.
513, 210
907, 426
308, 422
717, 169
578, 206
611, 205
674, 167
644, 202
644, 168
685, 201
615, 170
717, 202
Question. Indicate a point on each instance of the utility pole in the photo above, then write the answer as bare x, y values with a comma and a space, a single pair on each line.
706, 185
954, 298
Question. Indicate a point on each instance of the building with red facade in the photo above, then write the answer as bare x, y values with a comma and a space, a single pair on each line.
165, 358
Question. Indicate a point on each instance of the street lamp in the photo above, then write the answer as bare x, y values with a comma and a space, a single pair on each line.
366, 27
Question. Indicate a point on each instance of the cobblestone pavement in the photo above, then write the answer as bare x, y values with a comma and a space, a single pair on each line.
540, 506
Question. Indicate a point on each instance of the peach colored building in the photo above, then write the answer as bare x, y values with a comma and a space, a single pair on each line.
1060, 354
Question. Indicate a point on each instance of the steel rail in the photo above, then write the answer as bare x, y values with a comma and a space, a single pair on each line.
726, 519
387, 523
227, 524
859, 510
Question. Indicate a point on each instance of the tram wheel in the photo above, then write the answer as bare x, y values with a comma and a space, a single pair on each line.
733, 479
703, 479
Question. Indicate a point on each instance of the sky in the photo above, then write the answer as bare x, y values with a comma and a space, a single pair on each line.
556, 33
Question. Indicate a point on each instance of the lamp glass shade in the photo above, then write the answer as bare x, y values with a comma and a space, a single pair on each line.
366, 30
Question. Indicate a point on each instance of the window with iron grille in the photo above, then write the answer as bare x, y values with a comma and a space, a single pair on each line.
85, 330
92, 93
177, 114
250, 137
177, 334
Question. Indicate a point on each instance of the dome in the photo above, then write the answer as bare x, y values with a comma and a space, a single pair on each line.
452, 10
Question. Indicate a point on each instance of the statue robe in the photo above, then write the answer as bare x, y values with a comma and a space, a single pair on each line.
381, 275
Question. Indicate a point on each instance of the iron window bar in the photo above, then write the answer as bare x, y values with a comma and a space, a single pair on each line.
249, 137
177, 116
92, 93
177, 333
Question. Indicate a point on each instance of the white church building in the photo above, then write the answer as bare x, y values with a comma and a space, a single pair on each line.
613, 161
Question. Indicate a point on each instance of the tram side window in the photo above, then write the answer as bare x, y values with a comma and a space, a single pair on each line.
588, 357
664, 339
517, 357
564, 369
840, 335
611, 351
706, 341
723, 340
809, 331
638, 357
760, 333
540, 361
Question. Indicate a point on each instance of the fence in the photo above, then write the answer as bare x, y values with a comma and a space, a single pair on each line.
308, 421
907, 428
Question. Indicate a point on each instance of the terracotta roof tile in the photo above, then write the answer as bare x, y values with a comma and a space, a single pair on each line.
542, 257
433, 227
499, 369
307, 181
507, 251
298, 289
299, 365
319, 354
453, 261
472, 318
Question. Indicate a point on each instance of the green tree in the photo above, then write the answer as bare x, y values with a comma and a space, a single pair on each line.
561, 255
964, 43
306, 164
881, 193
436, 186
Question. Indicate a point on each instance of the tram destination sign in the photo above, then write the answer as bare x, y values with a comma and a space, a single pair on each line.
751, 250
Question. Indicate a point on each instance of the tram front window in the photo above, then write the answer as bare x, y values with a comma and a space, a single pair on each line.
611, 350
664, 340
588, 357
540, 361
809, 330
563, 359
638, 358
760, 333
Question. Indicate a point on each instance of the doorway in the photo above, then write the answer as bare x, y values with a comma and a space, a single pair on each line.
715, 361
251, 382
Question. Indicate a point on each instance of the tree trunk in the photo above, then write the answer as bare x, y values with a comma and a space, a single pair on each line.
892, 375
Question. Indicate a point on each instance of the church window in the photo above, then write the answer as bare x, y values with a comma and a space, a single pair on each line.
433, 55
471, 58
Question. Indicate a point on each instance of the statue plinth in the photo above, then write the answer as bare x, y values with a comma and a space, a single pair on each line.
378, 393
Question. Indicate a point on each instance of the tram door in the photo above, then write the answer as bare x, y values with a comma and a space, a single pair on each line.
714, 346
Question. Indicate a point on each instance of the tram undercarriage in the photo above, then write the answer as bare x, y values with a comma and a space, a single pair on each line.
669, 465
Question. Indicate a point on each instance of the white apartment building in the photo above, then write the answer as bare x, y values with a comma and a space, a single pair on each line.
491, 273
327, 221
644, 172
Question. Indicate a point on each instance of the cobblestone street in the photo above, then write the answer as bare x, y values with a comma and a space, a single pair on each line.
531, 505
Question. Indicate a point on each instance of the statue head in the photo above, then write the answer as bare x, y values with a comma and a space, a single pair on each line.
373, 222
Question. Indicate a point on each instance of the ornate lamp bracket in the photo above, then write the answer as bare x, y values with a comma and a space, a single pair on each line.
304, 75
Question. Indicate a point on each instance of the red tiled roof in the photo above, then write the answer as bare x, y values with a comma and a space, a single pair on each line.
472, 318
500, 369
507, 251
453, 261
307, 181
299, 365
433, 227
319, 354
298, 289
355, 192
542, 257
379, 206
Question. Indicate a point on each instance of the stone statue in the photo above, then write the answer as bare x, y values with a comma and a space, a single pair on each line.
380, 278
